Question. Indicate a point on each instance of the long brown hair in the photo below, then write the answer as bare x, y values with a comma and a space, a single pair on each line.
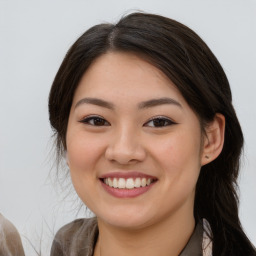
188, 62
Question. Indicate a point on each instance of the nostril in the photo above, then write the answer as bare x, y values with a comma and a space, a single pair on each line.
125, 155
125, 147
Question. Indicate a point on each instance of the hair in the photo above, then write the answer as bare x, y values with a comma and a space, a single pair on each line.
188, 62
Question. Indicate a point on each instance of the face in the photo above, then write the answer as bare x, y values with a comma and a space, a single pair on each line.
133, 143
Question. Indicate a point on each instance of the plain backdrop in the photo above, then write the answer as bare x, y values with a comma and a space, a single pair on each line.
34, 37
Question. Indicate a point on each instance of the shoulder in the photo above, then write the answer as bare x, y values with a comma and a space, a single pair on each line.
76, 229
78, 236
10, 242
6, 225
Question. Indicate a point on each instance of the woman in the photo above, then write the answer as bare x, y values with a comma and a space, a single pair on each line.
142, 112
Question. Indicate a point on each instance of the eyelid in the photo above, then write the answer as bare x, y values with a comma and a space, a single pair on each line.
171, 122
86, 119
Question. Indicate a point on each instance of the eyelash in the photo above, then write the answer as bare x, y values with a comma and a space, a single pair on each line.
164, 121
158, 119
94, 118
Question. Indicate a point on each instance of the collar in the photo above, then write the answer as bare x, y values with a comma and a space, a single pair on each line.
79, 238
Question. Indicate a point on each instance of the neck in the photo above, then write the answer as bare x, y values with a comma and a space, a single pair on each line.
166, 238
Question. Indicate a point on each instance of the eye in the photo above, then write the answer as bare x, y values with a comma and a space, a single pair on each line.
159, 122
95, 121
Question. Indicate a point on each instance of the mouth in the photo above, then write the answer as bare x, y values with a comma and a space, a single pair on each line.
128, 183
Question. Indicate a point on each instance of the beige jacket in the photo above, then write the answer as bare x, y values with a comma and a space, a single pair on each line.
10, 242
79, 237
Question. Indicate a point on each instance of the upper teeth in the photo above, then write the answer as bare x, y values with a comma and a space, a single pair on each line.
129, 183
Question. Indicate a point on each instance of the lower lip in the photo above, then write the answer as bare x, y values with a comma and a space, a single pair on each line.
126, 193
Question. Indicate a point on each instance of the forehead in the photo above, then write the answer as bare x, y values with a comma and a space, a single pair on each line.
118, 73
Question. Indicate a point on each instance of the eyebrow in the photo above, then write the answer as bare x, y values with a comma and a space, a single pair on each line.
157, 102
142, 105
95, 101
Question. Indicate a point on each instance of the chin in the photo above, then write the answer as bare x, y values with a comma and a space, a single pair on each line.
126, 218
126, 223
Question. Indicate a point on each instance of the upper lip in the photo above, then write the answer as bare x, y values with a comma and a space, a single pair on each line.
126, 175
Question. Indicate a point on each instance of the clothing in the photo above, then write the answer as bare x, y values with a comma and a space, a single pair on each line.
10, 242
79, 237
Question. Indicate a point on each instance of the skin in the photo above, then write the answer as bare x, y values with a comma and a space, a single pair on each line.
160, 221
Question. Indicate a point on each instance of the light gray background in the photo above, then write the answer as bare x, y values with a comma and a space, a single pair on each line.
34, 37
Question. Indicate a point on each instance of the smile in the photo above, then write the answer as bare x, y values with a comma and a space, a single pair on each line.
129, 183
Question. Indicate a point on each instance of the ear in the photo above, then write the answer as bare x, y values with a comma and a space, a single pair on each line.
213, 139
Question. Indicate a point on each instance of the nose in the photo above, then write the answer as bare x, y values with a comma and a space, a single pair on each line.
125, 147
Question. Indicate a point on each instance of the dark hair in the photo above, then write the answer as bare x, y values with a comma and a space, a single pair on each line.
188, 62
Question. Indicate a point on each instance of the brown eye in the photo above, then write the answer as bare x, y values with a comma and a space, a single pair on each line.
95, 121
159, 122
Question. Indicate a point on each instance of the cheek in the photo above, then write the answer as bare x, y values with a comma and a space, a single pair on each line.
180, 157
83, 154
83, 151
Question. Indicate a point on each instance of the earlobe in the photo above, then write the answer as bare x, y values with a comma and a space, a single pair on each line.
213, 140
